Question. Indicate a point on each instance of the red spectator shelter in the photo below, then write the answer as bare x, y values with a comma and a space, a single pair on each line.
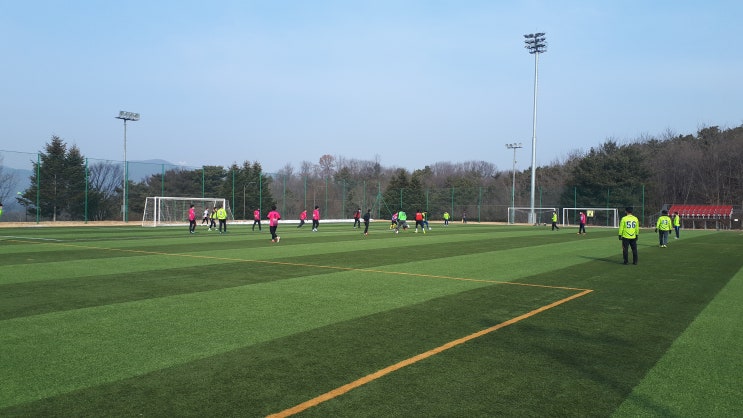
698, 216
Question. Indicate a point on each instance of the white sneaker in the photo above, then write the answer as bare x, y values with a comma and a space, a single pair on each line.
278, 239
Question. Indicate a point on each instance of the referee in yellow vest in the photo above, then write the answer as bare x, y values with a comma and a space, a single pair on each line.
663, 228
629, 231
222, 218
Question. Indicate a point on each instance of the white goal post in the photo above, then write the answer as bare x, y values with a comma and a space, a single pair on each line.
170, 211
608, 217
520, 215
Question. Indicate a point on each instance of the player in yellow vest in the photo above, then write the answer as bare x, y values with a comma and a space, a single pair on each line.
676, 223
663, 228
629, 231
213, 219
554, 221
222, 218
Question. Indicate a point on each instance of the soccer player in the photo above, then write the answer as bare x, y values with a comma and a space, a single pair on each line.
554, 221
205, 219
582, 224
393, 224
273, 223
629, 232
191, 219
402, 221
425, 220
419, 221
367, 218
222, 218
1, 209
213, 219
663, 228
315, 218
676, 223
257, 219
357, 218
302, 217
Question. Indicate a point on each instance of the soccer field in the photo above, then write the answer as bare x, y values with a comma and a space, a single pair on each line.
465, 320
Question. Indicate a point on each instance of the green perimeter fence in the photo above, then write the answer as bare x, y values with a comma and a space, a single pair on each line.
37, 187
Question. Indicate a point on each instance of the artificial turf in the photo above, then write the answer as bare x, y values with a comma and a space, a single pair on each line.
126, 321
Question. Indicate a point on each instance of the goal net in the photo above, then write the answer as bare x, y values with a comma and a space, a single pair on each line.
520, 215
169, 211
595, 216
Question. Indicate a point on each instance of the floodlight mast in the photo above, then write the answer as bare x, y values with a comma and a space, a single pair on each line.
536, 43
514, 147
125, 116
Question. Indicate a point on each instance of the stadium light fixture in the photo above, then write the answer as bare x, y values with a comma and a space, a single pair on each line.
126, 116
536, 43
514, 147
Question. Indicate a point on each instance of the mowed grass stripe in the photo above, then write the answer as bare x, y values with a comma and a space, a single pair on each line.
705, 362
133, 264
270, 376
158, 275
41, 297
90, 346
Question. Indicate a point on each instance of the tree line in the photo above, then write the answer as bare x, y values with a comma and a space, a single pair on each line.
650, 171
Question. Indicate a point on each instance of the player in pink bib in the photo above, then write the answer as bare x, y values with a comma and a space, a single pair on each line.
273, 222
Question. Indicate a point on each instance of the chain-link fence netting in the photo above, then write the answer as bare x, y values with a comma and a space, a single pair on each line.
64, 186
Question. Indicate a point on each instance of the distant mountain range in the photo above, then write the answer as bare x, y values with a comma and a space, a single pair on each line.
20, 179
138, 170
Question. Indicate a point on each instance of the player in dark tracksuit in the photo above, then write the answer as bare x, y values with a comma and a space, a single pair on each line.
367, 218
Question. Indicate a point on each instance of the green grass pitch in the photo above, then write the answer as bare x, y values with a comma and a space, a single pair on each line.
466, 320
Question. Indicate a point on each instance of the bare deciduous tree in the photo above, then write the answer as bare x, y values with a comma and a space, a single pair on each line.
6, 182
327, 164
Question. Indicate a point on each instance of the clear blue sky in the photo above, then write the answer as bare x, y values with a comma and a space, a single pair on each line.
412, 82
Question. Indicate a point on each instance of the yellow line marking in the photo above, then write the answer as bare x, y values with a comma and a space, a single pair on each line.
407, 362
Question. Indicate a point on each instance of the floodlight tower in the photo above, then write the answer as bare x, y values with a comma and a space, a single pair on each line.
514, 147
536, 43
125, 116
